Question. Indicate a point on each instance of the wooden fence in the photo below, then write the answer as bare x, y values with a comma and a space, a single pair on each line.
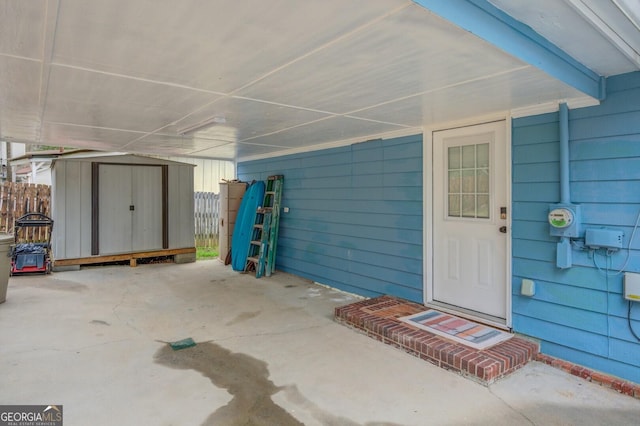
17, 199
207, 218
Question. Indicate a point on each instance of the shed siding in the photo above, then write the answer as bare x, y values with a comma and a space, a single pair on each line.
181, 207
84, 206
355, 220
71, 196
208, 173
579, 313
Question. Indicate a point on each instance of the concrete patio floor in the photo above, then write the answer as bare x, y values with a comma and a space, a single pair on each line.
269, 352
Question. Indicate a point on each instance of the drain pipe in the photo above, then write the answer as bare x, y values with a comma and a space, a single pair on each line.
565, 189
563, 254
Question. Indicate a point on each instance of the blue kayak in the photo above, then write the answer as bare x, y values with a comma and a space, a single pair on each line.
252, 199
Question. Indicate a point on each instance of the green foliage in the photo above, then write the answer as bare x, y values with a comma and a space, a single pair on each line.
203, 253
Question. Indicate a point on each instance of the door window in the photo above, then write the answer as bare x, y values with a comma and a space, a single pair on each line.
468, 188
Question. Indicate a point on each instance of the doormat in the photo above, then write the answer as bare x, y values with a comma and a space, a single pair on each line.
469, 333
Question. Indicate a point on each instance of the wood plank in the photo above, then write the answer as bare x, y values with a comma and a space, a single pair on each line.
132, 257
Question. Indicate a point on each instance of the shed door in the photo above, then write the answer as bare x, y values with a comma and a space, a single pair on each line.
469, 220
130, 208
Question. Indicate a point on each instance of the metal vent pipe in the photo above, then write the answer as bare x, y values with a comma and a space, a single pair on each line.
565, 190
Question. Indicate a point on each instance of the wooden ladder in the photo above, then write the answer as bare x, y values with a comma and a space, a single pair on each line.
264, 237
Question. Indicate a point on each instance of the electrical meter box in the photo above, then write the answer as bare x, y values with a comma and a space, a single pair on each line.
564, 220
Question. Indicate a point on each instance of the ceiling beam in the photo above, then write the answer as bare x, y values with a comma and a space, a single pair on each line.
501, 30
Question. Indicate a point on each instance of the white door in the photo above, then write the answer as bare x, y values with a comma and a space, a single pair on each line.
114, 215
470, 220
146, 196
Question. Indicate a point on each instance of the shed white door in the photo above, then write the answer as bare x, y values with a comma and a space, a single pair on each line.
469, 219
130, 208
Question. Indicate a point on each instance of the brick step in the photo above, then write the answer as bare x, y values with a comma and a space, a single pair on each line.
378, 318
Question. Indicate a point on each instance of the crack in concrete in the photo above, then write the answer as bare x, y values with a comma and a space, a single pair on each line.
117, 306
512, 408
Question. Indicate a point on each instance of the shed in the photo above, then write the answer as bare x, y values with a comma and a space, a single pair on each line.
112, 207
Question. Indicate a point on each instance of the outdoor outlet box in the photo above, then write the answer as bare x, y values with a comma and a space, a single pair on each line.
528, 288
597, 238
632, 286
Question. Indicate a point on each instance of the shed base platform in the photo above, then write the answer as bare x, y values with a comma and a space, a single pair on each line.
131, 257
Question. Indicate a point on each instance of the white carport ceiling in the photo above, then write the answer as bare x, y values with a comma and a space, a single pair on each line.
267, 76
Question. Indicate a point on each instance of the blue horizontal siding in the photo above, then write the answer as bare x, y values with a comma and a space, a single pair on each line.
605, 191
623, 83
376, 253
355, 219
532, 230
579, 313
358, 206
607, 147
621, 124
539, 173
570, 296
626, 214
538, 153
616, 104
577, 276
547, 192
545, 132
556, 332
529, 210
534, 121
566, 316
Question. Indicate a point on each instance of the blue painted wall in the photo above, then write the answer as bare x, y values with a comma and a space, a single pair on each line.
579, 313
355, 219
356, 224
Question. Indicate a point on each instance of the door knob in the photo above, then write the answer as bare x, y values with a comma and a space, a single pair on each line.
503, 229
